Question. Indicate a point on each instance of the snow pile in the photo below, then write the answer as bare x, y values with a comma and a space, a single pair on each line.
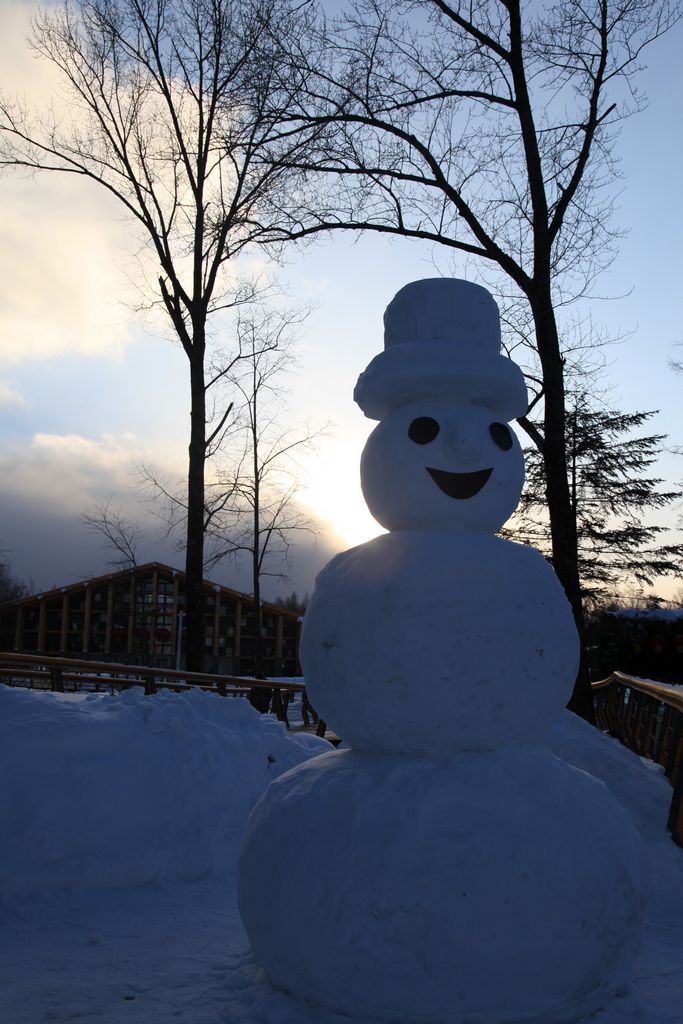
177, 951
637, 784
107, 791
654, 614
641, 788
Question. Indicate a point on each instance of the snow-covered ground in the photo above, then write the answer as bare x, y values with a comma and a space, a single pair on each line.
120, 822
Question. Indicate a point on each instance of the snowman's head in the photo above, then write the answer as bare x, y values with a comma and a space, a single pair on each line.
442, 464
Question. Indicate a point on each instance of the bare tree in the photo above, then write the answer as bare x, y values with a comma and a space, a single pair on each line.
250, 509
488, 128
259, 516
11, 587
676, 364
170, 112
120, 534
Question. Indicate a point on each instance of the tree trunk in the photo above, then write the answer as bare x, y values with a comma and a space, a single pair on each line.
261, 697
194, 554
258, 616
562, 515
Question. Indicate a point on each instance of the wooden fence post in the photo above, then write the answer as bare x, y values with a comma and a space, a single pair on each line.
56, 680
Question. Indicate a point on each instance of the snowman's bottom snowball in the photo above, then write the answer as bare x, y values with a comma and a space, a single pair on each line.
495, 887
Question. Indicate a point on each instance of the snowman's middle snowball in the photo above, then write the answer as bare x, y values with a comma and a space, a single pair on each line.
431, 642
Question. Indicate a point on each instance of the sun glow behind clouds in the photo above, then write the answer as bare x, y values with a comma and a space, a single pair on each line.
331, 498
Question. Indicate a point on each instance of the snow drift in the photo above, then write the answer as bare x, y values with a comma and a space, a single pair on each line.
105, 791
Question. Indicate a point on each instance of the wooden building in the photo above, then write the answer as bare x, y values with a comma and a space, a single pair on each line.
135, 616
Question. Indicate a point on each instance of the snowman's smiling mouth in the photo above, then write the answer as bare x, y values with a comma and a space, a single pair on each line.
459, 485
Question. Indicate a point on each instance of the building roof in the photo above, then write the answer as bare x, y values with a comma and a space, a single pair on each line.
168, 570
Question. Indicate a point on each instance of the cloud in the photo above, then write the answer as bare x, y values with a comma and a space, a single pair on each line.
60, 288
46, 486
48, 545
66, 251
314, 285
78, 271
38, 79
9, 396
69, 471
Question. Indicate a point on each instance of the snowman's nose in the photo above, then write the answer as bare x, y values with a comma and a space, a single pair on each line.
460, 442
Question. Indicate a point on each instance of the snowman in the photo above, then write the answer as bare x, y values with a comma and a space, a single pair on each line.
446, 868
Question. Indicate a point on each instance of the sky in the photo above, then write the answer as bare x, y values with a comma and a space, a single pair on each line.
89, 388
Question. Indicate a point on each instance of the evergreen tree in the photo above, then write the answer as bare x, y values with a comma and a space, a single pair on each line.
293, 602
612, 493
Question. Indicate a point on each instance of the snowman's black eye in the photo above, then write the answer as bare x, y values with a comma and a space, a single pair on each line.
501, 435
423, 430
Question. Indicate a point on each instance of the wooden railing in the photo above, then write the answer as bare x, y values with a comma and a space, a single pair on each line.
71, 674
648, 718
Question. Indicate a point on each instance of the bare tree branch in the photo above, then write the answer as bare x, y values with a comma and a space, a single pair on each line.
120, 533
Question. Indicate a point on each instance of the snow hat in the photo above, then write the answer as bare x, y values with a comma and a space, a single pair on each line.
442, 340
